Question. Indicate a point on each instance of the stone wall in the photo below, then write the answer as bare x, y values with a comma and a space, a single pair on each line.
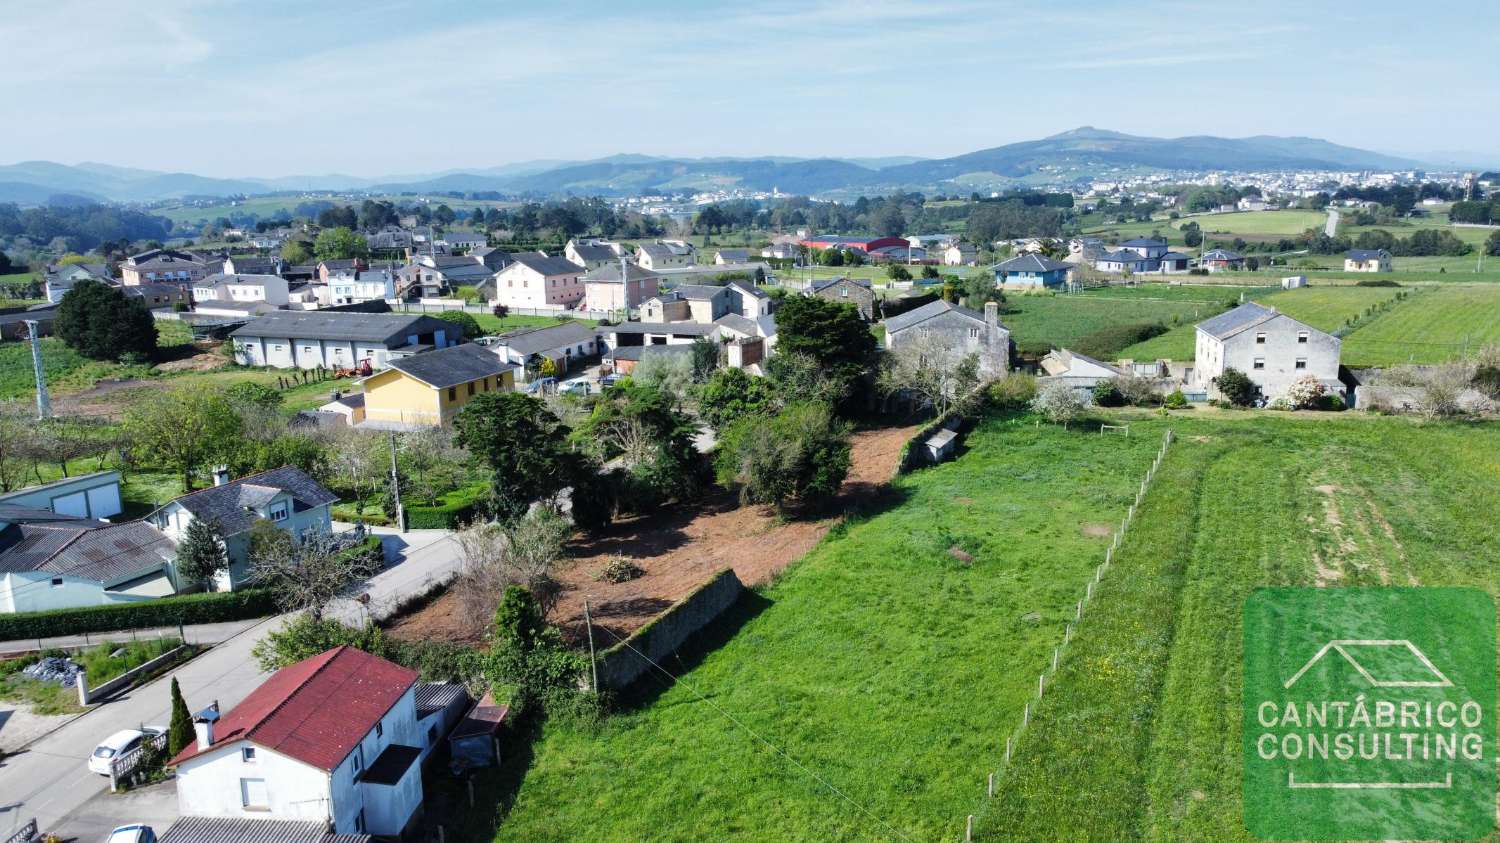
623, 663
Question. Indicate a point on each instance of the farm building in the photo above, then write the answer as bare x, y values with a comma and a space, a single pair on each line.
863, 244
313, 339
1273, 349
1077, 370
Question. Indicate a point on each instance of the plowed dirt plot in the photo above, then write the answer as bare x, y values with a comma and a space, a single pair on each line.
679, 549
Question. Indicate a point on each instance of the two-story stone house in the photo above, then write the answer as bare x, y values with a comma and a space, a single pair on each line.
1273, 349
959, 328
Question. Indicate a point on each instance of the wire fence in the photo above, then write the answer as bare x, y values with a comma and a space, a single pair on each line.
1079, 610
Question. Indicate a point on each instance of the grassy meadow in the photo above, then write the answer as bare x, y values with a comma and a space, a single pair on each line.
1139, 736
1042, 322
1431, 326
881, 661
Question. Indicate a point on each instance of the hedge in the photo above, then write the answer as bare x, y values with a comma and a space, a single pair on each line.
452, 510
209, 607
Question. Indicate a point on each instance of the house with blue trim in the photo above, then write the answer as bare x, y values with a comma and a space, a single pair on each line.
1143, 254
1031, 270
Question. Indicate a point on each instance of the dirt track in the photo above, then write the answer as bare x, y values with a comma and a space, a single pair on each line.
679, 549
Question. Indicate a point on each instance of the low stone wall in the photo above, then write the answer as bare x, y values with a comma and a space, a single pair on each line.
110, 687
623, 663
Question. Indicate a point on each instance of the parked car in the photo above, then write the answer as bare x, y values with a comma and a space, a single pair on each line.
575, 387
118, 744
542, 385
132, 834
610, 380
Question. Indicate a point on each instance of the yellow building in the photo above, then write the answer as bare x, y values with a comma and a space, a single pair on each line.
427, 390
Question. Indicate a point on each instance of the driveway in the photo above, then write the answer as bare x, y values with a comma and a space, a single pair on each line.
49, 780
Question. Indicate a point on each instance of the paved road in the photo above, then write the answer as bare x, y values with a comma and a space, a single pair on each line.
1331, 228
49, 781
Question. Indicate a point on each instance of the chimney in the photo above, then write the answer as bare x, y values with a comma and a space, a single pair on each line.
991, 314
203, 725
221, 475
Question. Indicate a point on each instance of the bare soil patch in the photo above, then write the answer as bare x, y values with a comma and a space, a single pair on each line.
679, 549
1098, 531
106, 399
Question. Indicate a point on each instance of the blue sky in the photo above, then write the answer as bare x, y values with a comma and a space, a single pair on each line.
271, 87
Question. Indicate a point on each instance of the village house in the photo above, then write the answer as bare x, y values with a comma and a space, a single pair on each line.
391, 238
159, 296
564, 344
461, 242
960, 254
1085, 250
606, 290
789, 250
958, 328
287, 497
434, 277
328, 268
50, 560
333, 738
1367, 260
1273, 349
687, 303
271, 289
427, 390
166, 266
338, 340
1031, 271
592, 254
1078, 371
539, 281
358, 286
249, 265
724, 256
664, 254
60, 279
1221, 260
853, 291
748, 300
628, 334
1143, 255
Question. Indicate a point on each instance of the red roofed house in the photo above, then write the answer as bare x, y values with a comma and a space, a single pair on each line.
331, 738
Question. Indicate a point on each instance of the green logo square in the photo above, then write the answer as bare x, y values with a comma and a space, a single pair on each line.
1369, 713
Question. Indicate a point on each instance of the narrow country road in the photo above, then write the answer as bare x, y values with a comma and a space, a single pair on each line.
49, 780
1331, 228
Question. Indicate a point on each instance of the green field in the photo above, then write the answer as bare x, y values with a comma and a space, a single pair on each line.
1328, 308
1042, 322
1139, 736
1251, 225
879, 661
1435, 325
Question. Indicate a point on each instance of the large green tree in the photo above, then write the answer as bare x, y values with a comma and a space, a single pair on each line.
200, 555
184, 429
801, 455
732, 394
340, 244
103, 323
522, 442
180, 731
832, 334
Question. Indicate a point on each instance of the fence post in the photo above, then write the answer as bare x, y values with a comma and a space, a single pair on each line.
1007, 749
990, 791
969, 829
1025, 714
1055, 651
1041, 685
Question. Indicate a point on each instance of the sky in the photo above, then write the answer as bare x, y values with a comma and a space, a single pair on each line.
375, 88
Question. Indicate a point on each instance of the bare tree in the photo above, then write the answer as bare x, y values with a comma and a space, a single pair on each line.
16, 423
494, 558
928, 366
1437, 391
355, 458
304, 575
1059, 403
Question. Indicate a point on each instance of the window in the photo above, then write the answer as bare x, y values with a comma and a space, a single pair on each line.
1302, 362
379, 728
452, 393
973, 333
1260, 338
1302, 336
358, 765
471, 387
247, 754
57, 582
253, 795
278, 512
1260, 363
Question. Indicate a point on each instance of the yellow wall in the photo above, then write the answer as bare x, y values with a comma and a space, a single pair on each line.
394, 396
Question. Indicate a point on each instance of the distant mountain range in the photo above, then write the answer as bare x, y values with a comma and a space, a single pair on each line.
1070, 156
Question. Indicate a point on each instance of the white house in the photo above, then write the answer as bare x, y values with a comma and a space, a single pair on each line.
354, 286
748, 300
1367, 260
1273, 349
664, 254
50, 560
271, 289
332, 738
592, 254
563, 344
536, 280
960, 254
286, 497
334, 339
687, 303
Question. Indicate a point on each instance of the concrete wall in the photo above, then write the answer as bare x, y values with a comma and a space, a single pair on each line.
620, 665
213, 785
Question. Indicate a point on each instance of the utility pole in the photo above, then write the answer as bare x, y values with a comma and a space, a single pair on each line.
588, 621
396, 487
43, 400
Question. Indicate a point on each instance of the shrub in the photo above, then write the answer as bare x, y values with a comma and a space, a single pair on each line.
212, 607
1106, 395
451, 510
1376, 282
1059, 403
1331, 402
1305, 393
1175, 400
1106, 343
468, 323
1236, 387
1012, 392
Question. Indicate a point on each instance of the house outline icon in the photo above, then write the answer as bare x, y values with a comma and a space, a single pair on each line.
1341, 645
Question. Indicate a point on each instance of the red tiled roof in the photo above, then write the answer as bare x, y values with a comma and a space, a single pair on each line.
316, 710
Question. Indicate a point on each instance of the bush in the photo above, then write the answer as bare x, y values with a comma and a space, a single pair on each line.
1236, 387
212, 607
1107, 343
1012, 392
1332, 403
1175, 400
452, 509
305, 636
1106, 395
469, 324
1376, 282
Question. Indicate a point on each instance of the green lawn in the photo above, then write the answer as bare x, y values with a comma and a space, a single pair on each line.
1431, 326
879, 661
1041, 322
492, 324
1139, 735
1251, 225
1222, 294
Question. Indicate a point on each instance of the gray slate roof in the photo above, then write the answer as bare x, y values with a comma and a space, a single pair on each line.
362, 327
1031, 262
225, 830
591, 252
535, 340
825, 283
636, 352
227, 505
1124, 256
1367, 254
547, 264
1145, 241
610, 273
896, 324
453, 365
698, 292
1236, 320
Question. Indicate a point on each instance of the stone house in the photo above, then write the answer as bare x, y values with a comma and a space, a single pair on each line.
855, 291
1273, 349
960, 328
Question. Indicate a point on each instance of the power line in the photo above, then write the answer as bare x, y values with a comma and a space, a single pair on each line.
778, 750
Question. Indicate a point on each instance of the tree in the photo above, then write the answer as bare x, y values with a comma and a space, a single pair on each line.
468, 323
1492, 245
1236, 387
529, 655
496, 557
103, 323
888, 220
898, 272
1058, 403
672, 374
296, 252
1305, 393
303, 575
639, 427
705, 358
732, 394
183, 429
443, 215
1192, 234
830, 333
340, 244
932, 272
801, 454
180, 731
931, 368
200, 555
252, 394
523, 445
